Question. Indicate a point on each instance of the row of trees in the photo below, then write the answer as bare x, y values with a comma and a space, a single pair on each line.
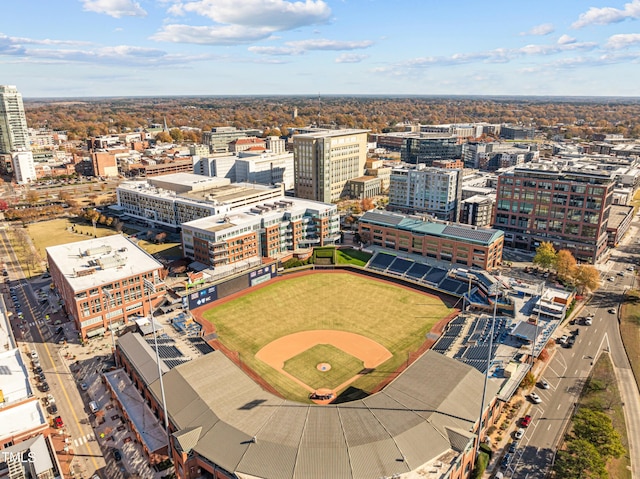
583, 276
591, 443
94, 117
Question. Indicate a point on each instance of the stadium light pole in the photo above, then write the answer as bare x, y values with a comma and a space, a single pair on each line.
486, 374
150, 287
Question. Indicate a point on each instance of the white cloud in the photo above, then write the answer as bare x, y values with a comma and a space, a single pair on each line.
299, 47
323, 44
274, 51
351, 58
274, 14
210, 35
566, 40
607, 15
114, 8
623, 40
543, 29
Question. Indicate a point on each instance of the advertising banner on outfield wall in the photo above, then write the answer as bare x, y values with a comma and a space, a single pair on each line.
262, 275
202, 297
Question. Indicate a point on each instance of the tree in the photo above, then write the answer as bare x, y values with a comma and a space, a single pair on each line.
160, 237
163, 137
176, 135
579, 460
586, 278
597, 428
33, 197
566, 265
545, 255
367, 204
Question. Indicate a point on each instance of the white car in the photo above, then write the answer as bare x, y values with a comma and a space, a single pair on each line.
34, 354
544, 384
612, 311
535, 398
588, 322
563, 339
519, 433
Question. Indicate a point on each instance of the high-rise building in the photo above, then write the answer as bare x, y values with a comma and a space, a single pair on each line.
567, 206
14, 135
325, 161
425, 148
435, 191
23, 166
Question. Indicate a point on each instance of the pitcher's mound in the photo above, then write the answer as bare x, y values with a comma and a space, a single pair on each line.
323, 367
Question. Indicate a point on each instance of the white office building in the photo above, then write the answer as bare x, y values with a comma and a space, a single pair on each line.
265, 168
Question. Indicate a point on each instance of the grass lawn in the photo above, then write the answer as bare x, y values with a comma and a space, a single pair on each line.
166, 250
353, 256
303, 366
56, 232
395, 317
630, 329
601, 393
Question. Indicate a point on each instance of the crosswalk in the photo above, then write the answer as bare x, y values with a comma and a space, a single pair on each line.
83, 440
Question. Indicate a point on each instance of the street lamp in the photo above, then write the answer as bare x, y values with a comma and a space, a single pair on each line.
150, 287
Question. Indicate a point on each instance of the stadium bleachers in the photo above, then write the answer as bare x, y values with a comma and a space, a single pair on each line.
381, 261
399, 266
435, 275
418, 270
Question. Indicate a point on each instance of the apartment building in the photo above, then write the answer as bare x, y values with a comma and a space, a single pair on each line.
101, 282
171, 200
434, 191
266, 229
477, 210
24, 168
325, 161
454, 243
568, 206
14, 134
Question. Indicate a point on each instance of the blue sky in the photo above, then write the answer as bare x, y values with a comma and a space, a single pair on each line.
76, 48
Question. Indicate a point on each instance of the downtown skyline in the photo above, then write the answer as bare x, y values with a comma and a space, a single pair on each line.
79, 48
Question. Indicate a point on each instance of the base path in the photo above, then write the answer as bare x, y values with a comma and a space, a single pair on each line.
282, 349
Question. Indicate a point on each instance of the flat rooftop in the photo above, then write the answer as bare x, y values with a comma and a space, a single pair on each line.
15, 379
331, 133
231, 193
22, 417
191, 180
94, 262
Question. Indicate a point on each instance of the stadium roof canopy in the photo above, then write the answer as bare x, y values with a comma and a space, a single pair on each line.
425, 415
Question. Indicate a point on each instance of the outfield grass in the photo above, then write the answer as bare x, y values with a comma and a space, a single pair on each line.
395, 317
304, 366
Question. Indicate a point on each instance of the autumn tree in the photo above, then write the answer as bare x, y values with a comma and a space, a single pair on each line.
586, 278
367, 204
163, 137
545, 255
565, 265
32, 197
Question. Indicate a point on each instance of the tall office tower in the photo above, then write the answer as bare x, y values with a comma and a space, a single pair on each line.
435, 191
325, 161
14, 135
566, 205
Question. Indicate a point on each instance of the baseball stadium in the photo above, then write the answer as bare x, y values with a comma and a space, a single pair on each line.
323, 373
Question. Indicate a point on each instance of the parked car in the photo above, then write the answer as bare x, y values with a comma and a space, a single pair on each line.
34, 354
117, 455
44, 387
588, 322
544, 384
525, 421
37, 370
535, 398
58, 423
84, 386
513, 446
563, 339
53, 409
519, 433
59, 330
612, 310
41, 377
